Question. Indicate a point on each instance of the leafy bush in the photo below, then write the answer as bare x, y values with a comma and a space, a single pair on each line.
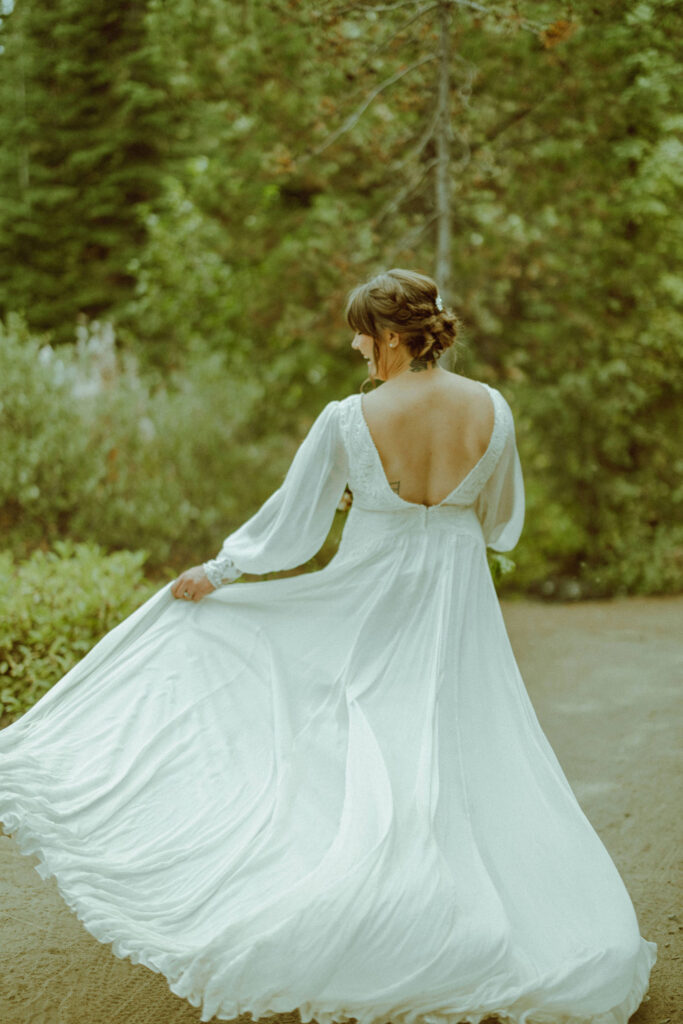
45, 456
91, 450
551, 540
602, 468
598, 531
53, 608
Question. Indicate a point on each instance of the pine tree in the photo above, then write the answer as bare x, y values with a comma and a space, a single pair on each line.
85, 129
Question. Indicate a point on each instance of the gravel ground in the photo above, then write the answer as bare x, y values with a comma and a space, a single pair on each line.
604, 678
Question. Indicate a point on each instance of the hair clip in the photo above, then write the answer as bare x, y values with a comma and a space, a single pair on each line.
439, 303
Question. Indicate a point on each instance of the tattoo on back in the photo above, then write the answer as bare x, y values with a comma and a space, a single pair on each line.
417, 364
395, 485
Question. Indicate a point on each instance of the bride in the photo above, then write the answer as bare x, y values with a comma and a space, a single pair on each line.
330, 792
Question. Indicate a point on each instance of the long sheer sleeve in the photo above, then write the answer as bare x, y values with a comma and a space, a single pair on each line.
292, 524
500, 504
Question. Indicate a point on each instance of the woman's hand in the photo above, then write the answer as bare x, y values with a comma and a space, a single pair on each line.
192, 585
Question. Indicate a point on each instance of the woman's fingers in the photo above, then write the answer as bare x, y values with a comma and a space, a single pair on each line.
188, 588
192, 585
183, 588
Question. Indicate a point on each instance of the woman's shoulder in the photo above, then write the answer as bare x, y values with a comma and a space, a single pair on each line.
463, 389
337, 414
345, 408
449, 391
348, 399
499, 400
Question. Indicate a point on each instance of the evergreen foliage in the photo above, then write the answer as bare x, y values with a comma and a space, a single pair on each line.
215, 180
85, 128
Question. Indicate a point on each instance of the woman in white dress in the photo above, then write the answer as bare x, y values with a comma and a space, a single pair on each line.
330, 791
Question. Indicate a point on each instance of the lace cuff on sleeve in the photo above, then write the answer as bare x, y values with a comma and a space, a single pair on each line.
221, 570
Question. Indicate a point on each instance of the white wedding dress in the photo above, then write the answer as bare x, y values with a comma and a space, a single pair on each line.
330, 791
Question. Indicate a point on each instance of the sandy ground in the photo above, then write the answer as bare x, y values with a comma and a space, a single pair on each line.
604, 678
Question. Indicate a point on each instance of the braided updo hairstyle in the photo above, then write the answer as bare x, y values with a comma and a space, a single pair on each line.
403, 301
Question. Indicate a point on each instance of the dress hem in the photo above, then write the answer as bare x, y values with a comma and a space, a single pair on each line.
31, 843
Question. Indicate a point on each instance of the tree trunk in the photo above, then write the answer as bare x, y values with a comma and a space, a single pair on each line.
442, 177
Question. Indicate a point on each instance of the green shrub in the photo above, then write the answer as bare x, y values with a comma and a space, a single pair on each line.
53, 608
91, 450
46, 459
551, 540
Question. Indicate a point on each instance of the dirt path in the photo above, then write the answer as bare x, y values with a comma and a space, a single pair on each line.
605, 679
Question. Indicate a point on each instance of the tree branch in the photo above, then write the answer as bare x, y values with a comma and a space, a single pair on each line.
513, 118
353, 118
395, 202
472, 5
416, 151
497, 9
415, 17
351, 8
410, 237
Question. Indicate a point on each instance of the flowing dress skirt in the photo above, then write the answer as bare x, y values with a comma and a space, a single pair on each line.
330, 792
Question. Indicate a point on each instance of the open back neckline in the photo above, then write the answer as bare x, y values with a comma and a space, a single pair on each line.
451, 494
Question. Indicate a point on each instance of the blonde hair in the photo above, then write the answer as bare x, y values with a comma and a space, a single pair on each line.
402, 301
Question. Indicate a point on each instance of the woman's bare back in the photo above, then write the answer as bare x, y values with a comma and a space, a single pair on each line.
429, 432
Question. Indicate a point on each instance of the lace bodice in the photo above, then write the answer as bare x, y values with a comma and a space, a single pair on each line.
292, 524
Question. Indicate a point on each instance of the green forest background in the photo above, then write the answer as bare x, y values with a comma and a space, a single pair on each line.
188, 191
